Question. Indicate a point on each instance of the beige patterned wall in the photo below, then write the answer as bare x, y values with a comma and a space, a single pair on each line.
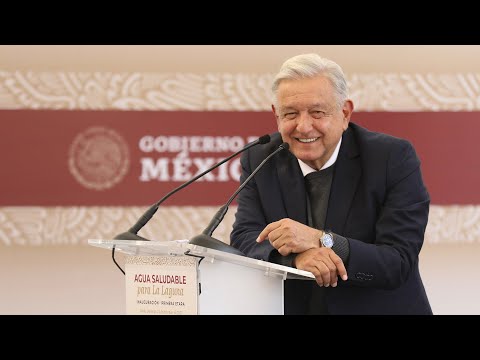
28, 225
226, 92
74, 225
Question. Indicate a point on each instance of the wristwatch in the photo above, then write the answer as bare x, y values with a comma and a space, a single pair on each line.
327, 239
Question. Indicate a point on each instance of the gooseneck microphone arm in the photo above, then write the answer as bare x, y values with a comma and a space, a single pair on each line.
205, 238
217, 219
131, 234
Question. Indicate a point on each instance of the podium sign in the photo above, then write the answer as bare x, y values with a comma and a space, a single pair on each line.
163, 285
175, 277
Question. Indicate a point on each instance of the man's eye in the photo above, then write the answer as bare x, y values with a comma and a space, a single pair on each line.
290, 116
318, 114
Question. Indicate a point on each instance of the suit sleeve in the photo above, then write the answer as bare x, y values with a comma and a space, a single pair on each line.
249, 218
388, 260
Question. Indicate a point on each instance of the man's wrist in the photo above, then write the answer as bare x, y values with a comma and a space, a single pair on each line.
327, 239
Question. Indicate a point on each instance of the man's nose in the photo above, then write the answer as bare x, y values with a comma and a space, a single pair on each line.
304, 123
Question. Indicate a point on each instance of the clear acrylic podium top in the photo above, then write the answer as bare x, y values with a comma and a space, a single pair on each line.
182, 247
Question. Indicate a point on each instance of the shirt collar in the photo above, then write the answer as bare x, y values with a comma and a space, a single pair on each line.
306, 169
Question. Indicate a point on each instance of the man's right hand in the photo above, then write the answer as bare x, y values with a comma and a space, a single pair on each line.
324, 264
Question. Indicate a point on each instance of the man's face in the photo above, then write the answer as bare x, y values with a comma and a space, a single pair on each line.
309, 118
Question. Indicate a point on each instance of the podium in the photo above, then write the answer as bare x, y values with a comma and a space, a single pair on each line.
175, 277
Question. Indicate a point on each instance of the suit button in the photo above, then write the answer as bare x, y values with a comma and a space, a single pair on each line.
360, 276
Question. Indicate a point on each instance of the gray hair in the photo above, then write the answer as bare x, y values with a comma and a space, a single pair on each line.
309, 66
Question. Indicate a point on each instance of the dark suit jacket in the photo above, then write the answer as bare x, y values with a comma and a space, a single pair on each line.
377, 201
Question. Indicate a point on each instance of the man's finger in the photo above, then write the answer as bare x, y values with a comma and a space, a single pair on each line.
342, 271
264, 234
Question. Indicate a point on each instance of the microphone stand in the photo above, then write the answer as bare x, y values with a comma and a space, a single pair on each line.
205, 239
131, 234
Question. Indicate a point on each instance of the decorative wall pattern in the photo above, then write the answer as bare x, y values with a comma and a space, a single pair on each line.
26, 225
161, 260
227, 92
75, 225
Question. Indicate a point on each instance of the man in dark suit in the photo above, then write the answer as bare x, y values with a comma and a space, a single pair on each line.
345, 203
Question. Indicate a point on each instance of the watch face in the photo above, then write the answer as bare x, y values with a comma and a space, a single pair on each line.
327, 240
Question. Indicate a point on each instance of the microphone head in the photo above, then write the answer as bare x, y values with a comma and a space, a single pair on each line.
212, 243
264, 139
285, 146
129, 236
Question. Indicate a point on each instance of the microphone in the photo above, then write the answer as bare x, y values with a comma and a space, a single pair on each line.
131, 234
205, 239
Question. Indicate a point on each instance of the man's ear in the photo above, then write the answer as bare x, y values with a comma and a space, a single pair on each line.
276, 117
347, 113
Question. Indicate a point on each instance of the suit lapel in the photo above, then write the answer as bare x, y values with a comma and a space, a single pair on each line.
292, 186
344, 184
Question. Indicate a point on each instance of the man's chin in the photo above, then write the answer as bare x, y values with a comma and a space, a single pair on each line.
308, 158
304, 155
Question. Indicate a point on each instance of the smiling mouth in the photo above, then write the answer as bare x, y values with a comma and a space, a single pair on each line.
306, 141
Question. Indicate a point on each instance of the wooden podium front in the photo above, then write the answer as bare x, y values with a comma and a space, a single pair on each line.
174, 277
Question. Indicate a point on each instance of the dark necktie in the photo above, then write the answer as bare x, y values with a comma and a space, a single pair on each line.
317, 185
